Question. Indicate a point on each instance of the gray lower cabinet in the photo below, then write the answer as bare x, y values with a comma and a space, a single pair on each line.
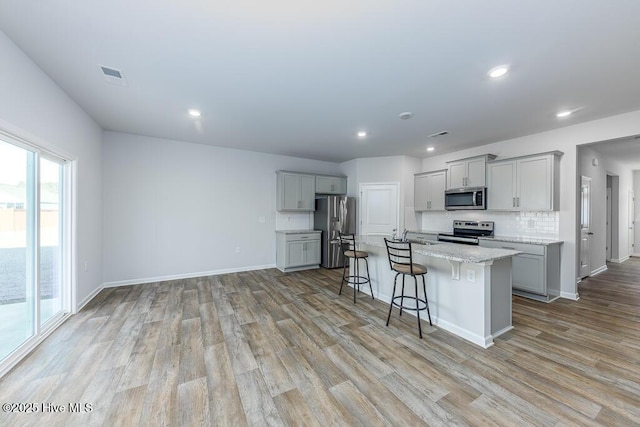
297, 250
536, 271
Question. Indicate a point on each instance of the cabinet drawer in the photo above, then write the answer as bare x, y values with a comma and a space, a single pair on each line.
522, 247
294, 237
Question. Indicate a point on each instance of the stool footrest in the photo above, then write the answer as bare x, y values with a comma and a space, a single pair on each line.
416, 307
356, 280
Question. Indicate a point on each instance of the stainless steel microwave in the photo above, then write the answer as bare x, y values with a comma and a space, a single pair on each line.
465, 198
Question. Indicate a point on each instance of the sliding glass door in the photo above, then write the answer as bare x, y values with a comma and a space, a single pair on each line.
51, 250
33, 286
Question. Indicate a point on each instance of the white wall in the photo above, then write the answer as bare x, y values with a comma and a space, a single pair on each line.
177, 209
566, 140
34, 108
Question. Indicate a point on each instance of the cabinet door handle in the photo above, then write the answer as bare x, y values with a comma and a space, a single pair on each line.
333, 187
509, 247
518, 202
513, 202
299, 203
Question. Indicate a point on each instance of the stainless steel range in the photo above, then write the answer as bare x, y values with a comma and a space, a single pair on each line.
467, 232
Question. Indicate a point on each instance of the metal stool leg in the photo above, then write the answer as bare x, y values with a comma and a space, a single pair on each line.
402, 296
426, 300
415, 280
369, 277
344, 270
357, 279
393, 294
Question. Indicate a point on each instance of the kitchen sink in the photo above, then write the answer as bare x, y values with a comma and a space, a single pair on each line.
422, 242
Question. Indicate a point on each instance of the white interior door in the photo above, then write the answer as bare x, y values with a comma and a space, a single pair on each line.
609, 231
379, 209
585, 227
631, 217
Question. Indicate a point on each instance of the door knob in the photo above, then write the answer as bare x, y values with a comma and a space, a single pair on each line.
590, 233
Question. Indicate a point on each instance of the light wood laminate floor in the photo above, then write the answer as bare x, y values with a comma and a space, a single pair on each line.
265, 348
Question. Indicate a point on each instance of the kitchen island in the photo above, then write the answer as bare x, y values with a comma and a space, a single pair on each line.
469, 287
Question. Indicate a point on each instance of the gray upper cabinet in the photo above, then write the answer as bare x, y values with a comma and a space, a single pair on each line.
469, 172
529, 183
429, 190
295, 191
331, 184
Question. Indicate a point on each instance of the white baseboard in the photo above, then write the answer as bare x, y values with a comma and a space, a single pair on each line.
619, 260
570, 295
599, 270
88, 298
484, 342
184, 276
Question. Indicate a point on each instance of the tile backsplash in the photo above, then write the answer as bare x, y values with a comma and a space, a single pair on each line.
544, 225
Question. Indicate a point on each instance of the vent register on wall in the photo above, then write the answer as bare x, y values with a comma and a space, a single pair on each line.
322, 194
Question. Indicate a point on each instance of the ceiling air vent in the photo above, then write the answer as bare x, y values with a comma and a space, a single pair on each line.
435, 135
113, 76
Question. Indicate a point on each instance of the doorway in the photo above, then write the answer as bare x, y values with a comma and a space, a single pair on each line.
379, 213
585, 227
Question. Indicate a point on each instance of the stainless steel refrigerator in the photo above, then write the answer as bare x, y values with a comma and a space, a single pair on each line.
334, 215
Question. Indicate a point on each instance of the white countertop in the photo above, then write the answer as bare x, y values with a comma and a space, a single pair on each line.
529, 240
297, 231
449, 251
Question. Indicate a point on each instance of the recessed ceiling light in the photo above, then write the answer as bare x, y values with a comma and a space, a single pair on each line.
430, 148
362, 134
195, 113
565, 113
406, 115
498, 71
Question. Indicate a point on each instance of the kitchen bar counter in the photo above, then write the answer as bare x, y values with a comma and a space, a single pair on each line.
449, 251
469, 288
527, 240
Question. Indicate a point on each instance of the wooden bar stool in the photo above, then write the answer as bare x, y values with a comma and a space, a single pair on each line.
401, 261
348, 244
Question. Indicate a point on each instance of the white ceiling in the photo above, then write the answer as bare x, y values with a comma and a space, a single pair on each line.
300, 78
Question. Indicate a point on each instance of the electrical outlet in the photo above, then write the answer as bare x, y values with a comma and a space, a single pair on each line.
86, 266
288, 219
237, 249
471, 275
531, 223
261, 219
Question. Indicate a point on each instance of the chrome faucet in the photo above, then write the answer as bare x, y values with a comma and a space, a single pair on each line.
404, 235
